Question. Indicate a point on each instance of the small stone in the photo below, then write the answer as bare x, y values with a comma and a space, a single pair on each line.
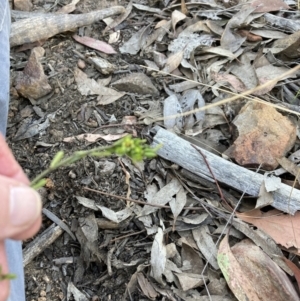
72, 174
264, 135
136, 83
102, 65
32, 81
153, 164
81, 64
107, 168
42, 293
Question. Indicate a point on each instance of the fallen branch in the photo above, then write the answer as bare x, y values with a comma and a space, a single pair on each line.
40, 243
34, 29
183, 154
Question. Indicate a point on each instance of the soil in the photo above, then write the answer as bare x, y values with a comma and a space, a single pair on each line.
44, 280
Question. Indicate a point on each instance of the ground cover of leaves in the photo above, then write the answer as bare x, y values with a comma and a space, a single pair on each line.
122, 250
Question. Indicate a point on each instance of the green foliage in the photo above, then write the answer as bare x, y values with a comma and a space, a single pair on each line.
57, 158
6, 276
134, 148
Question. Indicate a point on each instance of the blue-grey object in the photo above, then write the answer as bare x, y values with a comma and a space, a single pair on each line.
13, 248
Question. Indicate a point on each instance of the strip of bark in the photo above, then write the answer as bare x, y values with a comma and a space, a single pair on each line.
43, 27
183, 154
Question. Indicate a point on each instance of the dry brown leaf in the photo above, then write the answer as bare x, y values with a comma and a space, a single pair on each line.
171, 108
283, 228
173, 62
230, 40
195, 27
178, 204
146, 286
191, 260
119, 19
88, 86
189, 281
158, 256
252, 275
245, 72
206, 245
113, 216
220, 51
147, 8
176, 17
160, 24
267, 73
163, 196
233, 273
75, 292
127, 178
214, 27
237, 85
184, 9
263, 240
289, 166
265, 6
294, 268
265, 198
269, 34
68, 8
158, 34
286, 48
250, 36
95, 137
95, 44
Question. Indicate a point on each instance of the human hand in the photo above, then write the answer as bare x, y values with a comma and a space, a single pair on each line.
20, 207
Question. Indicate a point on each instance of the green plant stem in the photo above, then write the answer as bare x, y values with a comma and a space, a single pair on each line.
99, 152
134, 148
6, 276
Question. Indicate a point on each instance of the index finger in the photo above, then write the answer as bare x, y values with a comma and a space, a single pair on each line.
9, 167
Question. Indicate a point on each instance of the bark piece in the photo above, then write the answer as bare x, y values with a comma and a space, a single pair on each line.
182, 153
32, 82
136, 83
265, 135
48, 25
39, 244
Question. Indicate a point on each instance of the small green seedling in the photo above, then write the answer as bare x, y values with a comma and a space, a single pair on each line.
134, 148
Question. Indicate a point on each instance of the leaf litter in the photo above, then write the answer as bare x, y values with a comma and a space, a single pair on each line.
183, 231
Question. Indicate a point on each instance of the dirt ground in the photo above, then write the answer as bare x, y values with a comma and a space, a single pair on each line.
46, 279
43, 278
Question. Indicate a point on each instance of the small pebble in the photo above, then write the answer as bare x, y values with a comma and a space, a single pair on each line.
72, 174
81, 64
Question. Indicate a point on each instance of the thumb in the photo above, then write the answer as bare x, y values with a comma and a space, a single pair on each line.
20, 208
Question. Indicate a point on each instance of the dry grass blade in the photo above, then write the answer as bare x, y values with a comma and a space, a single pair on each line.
244, 95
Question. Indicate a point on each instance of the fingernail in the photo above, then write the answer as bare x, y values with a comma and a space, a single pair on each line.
25, 206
